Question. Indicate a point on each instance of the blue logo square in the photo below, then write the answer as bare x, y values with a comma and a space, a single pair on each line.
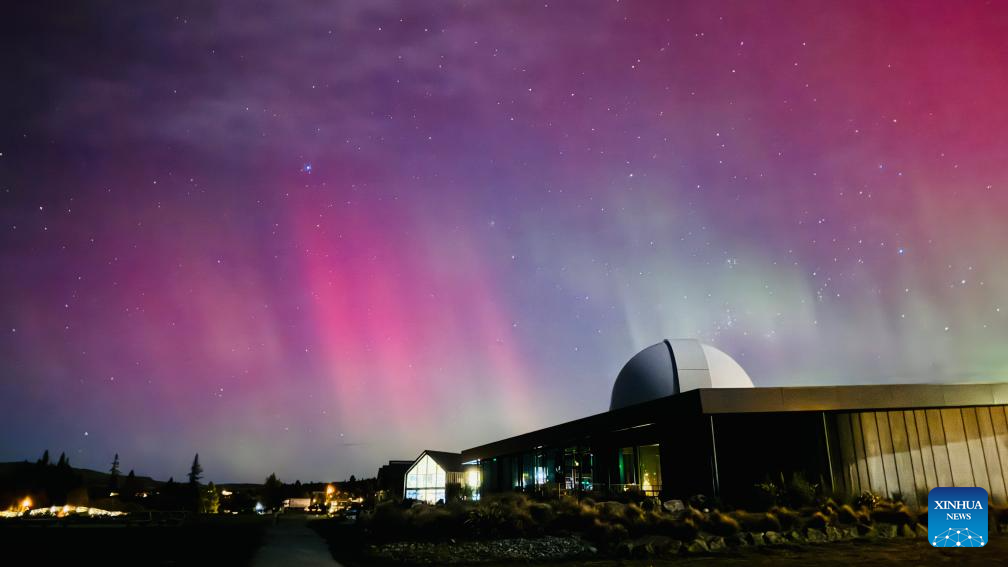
957, 517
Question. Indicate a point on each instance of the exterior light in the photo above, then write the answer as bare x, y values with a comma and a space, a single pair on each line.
26, 504
472, 478
330, 489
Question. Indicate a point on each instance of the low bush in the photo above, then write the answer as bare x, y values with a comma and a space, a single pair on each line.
721, 524
788, 518
818, 521
894, 513
756, 521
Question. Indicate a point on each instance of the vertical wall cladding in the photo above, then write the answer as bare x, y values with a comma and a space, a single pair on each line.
908, 452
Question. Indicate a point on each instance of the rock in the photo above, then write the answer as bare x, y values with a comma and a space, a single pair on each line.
867, 531
625, 548
886, 530
737, 540
674, 506
907, 531
697, 546
756, 538
816, 536
674, 546
796, 536
921, 531
849, 532
643, 551
773, 538
833, 534
716, 543
658, 544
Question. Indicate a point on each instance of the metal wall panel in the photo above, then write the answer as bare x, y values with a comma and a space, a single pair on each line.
873, 454
938, 447
916, 460
958, 451
995, 468
927, 451
864, 480
978, 460
887, 453
901, 455
848, 463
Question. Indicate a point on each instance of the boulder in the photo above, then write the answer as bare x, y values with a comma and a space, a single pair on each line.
773, 538
657, 545
907, 531
697, 546
886, 530
716, 543
674, 506
921, 531
796, 536
755, 538
833, 534
737, 540
816, 536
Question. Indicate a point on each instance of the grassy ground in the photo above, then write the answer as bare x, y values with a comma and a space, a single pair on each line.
860, 553
344, 542
220, 540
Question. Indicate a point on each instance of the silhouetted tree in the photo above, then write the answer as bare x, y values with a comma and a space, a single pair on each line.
209, 500
62, 463
44, 461
114, 474
196, 471
272, 492
130, 487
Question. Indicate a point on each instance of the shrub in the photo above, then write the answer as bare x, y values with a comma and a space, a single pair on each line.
684, 529
866, 500
818, 521
721, 524
897, 514
569, 514
800, 492
766, 495
606, 534
756, 521
634, 518
611, 511
541, 513
387, 519
789, 519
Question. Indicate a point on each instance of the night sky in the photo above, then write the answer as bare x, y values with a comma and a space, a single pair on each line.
310, 237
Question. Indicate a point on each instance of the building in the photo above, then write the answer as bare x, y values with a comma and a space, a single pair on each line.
432, 474
685, 419
390, 479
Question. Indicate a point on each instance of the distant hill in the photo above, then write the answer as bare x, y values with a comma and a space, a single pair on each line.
91, 478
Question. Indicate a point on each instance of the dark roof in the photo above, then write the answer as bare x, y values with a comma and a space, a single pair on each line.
450, 462
709, 401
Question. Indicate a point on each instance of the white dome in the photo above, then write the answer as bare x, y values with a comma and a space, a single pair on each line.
673, 366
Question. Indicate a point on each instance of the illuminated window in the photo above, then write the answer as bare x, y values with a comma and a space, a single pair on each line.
425, 481
649, 467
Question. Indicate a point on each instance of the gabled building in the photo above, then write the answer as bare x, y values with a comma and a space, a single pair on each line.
431, 474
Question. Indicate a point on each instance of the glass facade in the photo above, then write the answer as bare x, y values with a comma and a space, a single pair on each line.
649, 467
581, 469
425, 481
640, 467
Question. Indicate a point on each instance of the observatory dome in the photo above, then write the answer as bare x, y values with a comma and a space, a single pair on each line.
673, 366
